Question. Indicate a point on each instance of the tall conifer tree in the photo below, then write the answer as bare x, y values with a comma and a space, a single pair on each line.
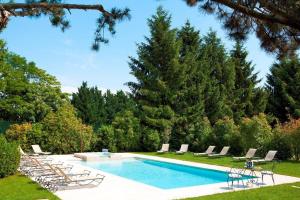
283, 84
158, 73
246, 93
189, 107
221, 78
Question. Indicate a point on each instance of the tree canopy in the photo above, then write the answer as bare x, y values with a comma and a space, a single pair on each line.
275, 23
27, 93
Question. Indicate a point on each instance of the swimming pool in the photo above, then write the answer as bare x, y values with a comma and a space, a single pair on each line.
159, 174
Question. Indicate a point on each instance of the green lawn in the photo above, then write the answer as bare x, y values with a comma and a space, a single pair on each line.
290, 168
279, 192
19, 187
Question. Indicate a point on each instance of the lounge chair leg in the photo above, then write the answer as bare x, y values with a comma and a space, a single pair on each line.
273, 179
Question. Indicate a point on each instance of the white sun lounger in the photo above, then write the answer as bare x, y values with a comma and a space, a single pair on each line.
223, 152
250, 154
269, 157
183, 149
208, 151
37, 149
164, 148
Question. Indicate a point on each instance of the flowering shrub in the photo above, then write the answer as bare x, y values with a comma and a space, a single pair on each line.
292, 130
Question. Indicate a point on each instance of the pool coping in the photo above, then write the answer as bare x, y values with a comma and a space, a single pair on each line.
116, 187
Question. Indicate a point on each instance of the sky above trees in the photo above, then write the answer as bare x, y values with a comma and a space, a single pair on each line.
68, 55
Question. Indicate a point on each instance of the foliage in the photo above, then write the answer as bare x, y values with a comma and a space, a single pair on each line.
89, 103
64, 132
27, 93
283, 84
151, 139
9, 157
275, 23
99, 109
127, 131
200, 136
4, 125
256, 132
292, 130
106, 138
226, 133
281, 143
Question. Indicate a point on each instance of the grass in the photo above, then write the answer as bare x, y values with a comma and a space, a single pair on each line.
290, 168
279, 192
19, 187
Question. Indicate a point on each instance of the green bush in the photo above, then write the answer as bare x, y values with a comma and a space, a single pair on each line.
106, 138
127, 131
227, 133
291, 130
279, 142
151, 139
25, 134
200, 136
9, 157
63, 132
256, 133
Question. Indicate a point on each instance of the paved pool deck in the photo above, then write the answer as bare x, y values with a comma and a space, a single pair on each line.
114, 187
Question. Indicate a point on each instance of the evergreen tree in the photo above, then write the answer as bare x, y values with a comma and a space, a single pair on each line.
89, 103
283, 84
248, 100
158, 73
220, 73
189, 105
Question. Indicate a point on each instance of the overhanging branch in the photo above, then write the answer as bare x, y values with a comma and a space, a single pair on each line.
25, 8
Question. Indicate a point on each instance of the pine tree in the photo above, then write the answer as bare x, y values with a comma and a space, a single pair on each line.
283, 84
158, 73
89, 103
246, 101
220, 73
189, 106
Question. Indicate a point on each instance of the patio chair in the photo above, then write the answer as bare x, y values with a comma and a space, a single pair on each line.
183, 149
37, 149
223, 152
268, 173
164, 148
65, 180
208, 151
235, 174
269, 157
250, 154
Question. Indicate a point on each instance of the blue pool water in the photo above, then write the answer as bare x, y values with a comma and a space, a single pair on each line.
163, 175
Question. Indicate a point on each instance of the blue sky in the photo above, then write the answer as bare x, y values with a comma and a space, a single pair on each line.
68, 55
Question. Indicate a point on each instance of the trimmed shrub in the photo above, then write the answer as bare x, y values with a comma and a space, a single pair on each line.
9, 157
